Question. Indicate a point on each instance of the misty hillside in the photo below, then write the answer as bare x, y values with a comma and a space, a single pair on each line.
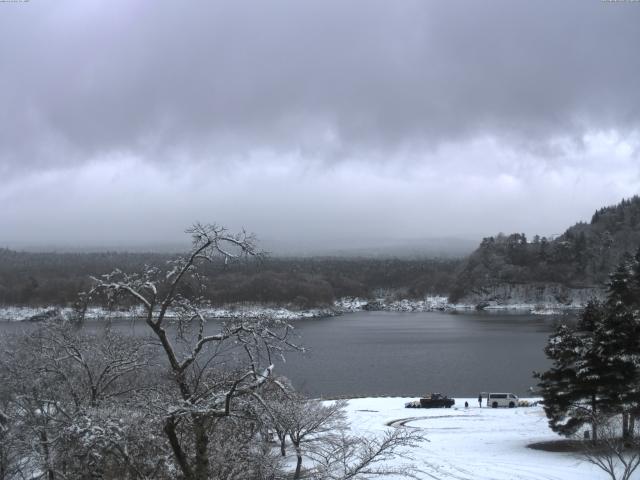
580, 258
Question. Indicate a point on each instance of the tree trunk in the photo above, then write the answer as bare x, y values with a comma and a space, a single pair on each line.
298, 467
296, 475
625, 425
202, 451
594, 422
94, 396
181, 459
44, 440
283, 441
632, 425
4, 463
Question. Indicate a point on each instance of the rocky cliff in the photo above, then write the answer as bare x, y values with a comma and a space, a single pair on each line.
533, 295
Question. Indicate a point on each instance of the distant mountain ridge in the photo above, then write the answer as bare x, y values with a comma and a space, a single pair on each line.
576, 264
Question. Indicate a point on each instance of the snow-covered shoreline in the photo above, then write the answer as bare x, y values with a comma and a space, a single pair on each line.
255, 311
441, 303
344, 305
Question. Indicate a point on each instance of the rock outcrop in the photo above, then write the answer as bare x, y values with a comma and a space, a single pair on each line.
538, 295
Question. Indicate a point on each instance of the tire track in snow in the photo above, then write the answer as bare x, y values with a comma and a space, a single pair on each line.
402, 422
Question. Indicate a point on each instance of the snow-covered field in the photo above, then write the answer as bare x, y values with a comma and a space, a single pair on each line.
474, 443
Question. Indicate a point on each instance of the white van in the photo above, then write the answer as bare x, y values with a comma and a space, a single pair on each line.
495, 400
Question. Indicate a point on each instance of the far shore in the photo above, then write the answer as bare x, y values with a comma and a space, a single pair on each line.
289, 313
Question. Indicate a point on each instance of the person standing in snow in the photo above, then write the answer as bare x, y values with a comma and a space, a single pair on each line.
480, 400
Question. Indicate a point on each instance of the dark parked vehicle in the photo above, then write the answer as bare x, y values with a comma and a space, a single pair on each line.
432, 400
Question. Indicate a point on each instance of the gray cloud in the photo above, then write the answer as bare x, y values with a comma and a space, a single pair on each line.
332, 79
467, 191
322, 122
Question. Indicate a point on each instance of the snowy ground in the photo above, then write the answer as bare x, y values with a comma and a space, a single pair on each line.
474, 443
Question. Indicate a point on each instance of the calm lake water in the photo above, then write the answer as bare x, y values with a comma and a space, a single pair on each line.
408, 354
388, 353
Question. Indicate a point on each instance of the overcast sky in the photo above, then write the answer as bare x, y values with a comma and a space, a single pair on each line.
316, 124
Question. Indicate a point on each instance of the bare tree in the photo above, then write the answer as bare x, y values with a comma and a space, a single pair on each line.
309, 423
54, 376
319, 430
115, 442
37, 408
92, 367
239, 451
346, 456
615, 454
277, 400
10, 453
205, 381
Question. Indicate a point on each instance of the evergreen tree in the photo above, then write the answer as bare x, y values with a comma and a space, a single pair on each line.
619, 339
620, 295
571, 388
596, 365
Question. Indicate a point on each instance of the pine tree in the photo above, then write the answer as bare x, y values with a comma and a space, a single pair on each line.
620, 293
596, 365
619, 340
571, 388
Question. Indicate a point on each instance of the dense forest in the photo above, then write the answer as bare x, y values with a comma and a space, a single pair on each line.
583, 256
35, 279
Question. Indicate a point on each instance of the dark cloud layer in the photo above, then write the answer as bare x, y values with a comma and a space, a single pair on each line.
200, 79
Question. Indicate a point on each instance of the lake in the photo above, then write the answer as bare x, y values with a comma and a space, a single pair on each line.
408, 354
